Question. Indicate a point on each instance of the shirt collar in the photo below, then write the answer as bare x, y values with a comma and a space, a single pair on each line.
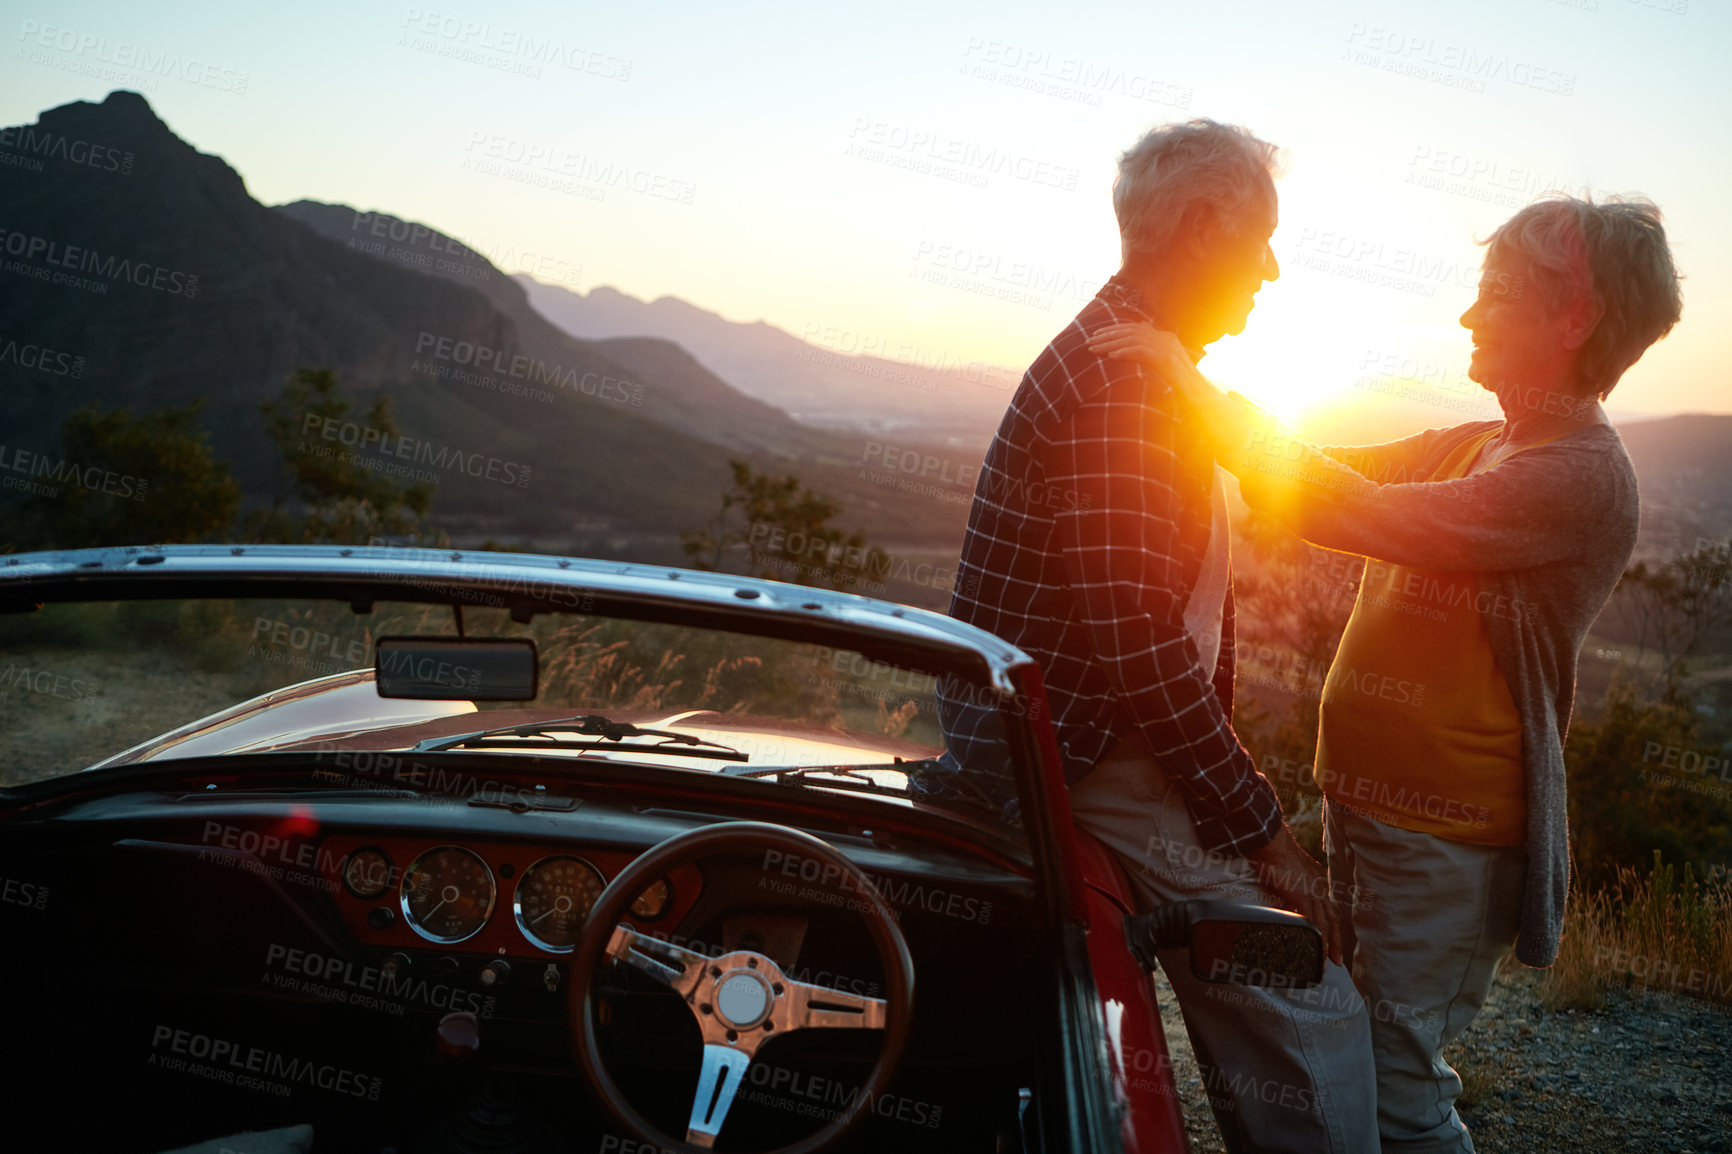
1122, 294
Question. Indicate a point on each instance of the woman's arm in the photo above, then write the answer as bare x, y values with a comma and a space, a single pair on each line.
1534, 508
1541, 505
1238, 426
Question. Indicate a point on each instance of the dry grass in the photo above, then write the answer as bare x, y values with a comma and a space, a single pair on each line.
1663, 931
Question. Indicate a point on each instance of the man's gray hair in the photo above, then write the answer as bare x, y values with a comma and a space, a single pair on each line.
1615, 251
1175, 166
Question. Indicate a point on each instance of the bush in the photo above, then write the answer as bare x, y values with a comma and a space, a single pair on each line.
1626, 804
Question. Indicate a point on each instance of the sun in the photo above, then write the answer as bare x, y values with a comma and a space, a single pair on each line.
1287, 361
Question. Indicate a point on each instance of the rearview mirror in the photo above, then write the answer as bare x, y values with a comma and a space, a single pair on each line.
1231, 943
456, 668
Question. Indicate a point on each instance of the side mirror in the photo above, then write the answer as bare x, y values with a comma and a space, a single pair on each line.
1231, 943
456, 668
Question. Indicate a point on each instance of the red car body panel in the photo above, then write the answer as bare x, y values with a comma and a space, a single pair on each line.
1141, 1071
1100, 895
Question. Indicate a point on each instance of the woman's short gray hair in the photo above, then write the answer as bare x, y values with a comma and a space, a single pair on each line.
1177, 165
1616, 251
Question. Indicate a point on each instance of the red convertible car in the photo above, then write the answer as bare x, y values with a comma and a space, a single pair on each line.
382, 849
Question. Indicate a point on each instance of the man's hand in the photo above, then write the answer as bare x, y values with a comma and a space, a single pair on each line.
1301, 884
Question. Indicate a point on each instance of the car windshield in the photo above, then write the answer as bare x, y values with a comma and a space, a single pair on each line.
88, 685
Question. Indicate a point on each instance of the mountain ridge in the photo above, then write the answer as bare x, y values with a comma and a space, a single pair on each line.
169, 282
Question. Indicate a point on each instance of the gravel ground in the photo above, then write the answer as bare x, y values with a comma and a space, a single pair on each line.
1650, 1072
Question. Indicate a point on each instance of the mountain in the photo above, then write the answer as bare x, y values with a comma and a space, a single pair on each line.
818, 377
163, 281
661, 379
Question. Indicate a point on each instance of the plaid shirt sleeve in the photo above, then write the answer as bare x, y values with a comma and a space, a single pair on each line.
1121, 554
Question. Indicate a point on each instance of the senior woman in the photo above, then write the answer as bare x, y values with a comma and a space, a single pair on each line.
1491, 547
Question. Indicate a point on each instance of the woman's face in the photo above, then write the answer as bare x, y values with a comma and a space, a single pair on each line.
1519, 342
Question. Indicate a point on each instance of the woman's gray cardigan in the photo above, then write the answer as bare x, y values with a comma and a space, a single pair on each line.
1546, 534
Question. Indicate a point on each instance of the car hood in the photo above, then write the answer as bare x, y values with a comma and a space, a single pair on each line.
344, 712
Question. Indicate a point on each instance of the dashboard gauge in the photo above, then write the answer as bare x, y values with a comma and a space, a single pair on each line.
447, 894
367, 873
653, 902
553, 898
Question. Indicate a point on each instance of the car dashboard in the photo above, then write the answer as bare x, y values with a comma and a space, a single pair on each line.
393, 967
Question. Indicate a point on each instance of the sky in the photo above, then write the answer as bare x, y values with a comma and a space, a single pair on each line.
932, 181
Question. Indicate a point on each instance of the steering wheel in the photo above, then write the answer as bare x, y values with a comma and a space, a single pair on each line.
741, 999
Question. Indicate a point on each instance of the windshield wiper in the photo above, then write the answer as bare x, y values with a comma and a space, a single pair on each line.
929, 781
849, 777
534, 735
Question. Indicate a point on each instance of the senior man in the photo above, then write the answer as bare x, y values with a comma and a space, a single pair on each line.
1491, 547
1097, 543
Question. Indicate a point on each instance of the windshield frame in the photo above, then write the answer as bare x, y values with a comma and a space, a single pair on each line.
898, 635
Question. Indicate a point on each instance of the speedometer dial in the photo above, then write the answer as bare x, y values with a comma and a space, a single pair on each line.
554, 898
448, 894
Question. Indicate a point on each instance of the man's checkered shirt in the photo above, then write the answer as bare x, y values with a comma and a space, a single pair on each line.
1088, 529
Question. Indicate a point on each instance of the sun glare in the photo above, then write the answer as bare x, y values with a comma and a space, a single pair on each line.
1286, 366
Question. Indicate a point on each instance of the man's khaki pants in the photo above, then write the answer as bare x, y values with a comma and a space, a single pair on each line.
1285, 1070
